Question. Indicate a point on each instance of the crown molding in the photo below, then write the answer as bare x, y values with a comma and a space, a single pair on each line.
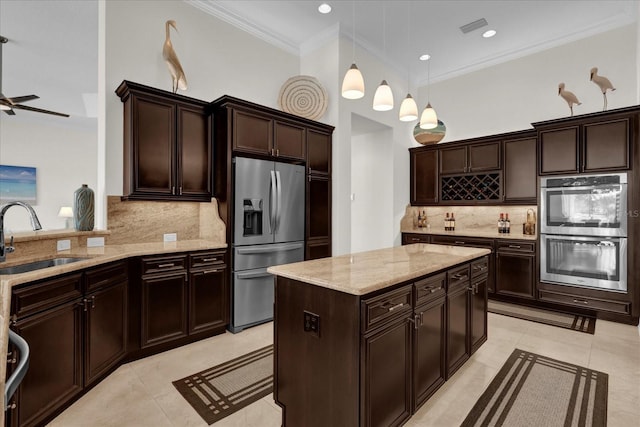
214, 8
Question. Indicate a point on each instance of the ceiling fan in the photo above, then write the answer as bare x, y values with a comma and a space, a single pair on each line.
9, 104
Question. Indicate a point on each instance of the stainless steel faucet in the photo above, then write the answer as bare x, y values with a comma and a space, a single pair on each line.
35, 223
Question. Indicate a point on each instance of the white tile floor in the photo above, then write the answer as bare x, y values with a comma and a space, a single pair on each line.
141, 394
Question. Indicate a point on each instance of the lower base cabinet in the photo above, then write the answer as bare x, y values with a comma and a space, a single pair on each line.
398, 340
78, 325
516, 269
387, 364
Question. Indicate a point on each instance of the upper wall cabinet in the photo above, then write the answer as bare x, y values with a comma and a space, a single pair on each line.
470, 158
598, 142
520, 170
424, 176
167, 145
255, 133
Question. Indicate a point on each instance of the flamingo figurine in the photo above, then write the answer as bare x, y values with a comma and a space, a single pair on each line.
604, 84
570, 97
178, 79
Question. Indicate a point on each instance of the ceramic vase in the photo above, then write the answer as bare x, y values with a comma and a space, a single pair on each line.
83, 208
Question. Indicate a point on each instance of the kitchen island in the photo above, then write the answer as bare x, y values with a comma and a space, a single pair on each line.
365, 339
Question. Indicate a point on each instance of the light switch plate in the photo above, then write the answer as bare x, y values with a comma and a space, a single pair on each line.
170, 237
63, 245
95, 242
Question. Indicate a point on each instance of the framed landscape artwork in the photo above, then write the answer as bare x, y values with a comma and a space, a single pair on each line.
17, 183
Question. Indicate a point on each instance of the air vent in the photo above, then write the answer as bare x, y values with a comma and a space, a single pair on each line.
471, 26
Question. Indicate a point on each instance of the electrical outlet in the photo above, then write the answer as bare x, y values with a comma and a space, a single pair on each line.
95, 242
312, 323
63, 245
170, 237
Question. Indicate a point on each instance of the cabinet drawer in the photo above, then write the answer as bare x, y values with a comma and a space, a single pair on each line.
457, 277
41, 296
163, 264
207, 259
430, 288
586, 302
516, 246
409, 238
462, 241
106, 275
480, 267
386, 307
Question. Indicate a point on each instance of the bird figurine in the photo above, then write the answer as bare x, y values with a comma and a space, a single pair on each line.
603, 83
178, 79
570, 97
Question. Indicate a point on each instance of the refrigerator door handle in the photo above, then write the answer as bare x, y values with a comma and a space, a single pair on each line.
279, 200
272, 204
266, 250
254, 275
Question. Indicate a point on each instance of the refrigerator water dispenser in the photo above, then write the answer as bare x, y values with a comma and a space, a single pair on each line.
252, 217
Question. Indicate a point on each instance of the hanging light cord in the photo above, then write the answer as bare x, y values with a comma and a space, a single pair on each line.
409, 44
353, 39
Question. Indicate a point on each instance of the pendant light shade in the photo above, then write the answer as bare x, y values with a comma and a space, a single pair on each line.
353, 83
428, 119
408, 109
383, 98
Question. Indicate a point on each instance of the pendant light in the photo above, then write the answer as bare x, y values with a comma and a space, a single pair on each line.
383, 98
353, 83
428, 119
408, 109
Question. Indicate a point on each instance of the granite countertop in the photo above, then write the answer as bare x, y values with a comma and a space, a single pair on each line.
365, 272
472, 232
96, 256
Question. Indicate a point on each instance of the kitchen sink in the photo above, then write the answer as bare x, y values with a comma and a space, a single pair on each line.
38, 265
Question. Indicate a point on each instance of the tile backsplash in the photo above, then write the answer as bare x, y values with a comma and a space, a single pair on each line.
467, 217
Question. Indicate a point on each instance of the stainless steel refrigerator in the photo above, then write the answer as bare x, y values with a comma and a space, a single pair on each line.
269, 209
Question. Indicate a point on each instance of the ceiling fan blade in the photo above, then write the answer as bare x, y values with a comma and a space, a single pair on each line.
38, 110
18, 99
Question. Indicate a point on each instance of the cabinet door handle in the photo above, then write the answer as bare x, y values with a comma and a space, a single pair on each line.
93, 301
211, 271
390, 307
459, 276
83, 304
432, 290
415, 320
173, 190
458, 242
581, 301
209, 259
180, 190
166, 265
278, 152
514, 246
415, 239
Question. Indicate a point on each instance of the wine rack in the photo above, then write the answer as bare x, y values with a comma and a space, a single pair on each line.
467, 188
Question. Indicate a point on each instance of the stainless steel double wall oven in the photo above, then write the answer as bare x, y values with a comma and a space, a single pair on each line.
583, 231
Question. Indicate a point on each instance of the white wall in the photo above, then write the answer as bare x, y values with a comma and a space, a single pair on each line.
64, 159
217, 58
512, 95
371, 211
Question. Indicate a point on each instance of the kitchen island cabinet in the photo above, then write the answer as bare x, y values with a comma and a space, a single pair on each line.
370, 327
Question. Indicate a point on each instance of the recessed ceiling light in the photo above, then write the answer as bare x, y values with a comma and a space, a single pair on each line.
489, 33
425, 57
324, 8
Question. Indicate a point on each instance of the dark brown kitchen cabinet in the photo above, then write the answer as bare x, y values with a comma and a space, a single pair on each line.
515, 268
164, 299
167, 145
423, 171
48, 315
474, 242
318, 153
208, 296
410, 238
520, 170
387, 358
430, 340
105, 310
257, 133
318, 217
458, 315
598, 142
477, 157
478, 312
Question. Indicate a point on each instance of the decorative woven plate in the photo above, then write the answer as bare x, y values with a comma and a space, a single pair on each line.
303, 96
